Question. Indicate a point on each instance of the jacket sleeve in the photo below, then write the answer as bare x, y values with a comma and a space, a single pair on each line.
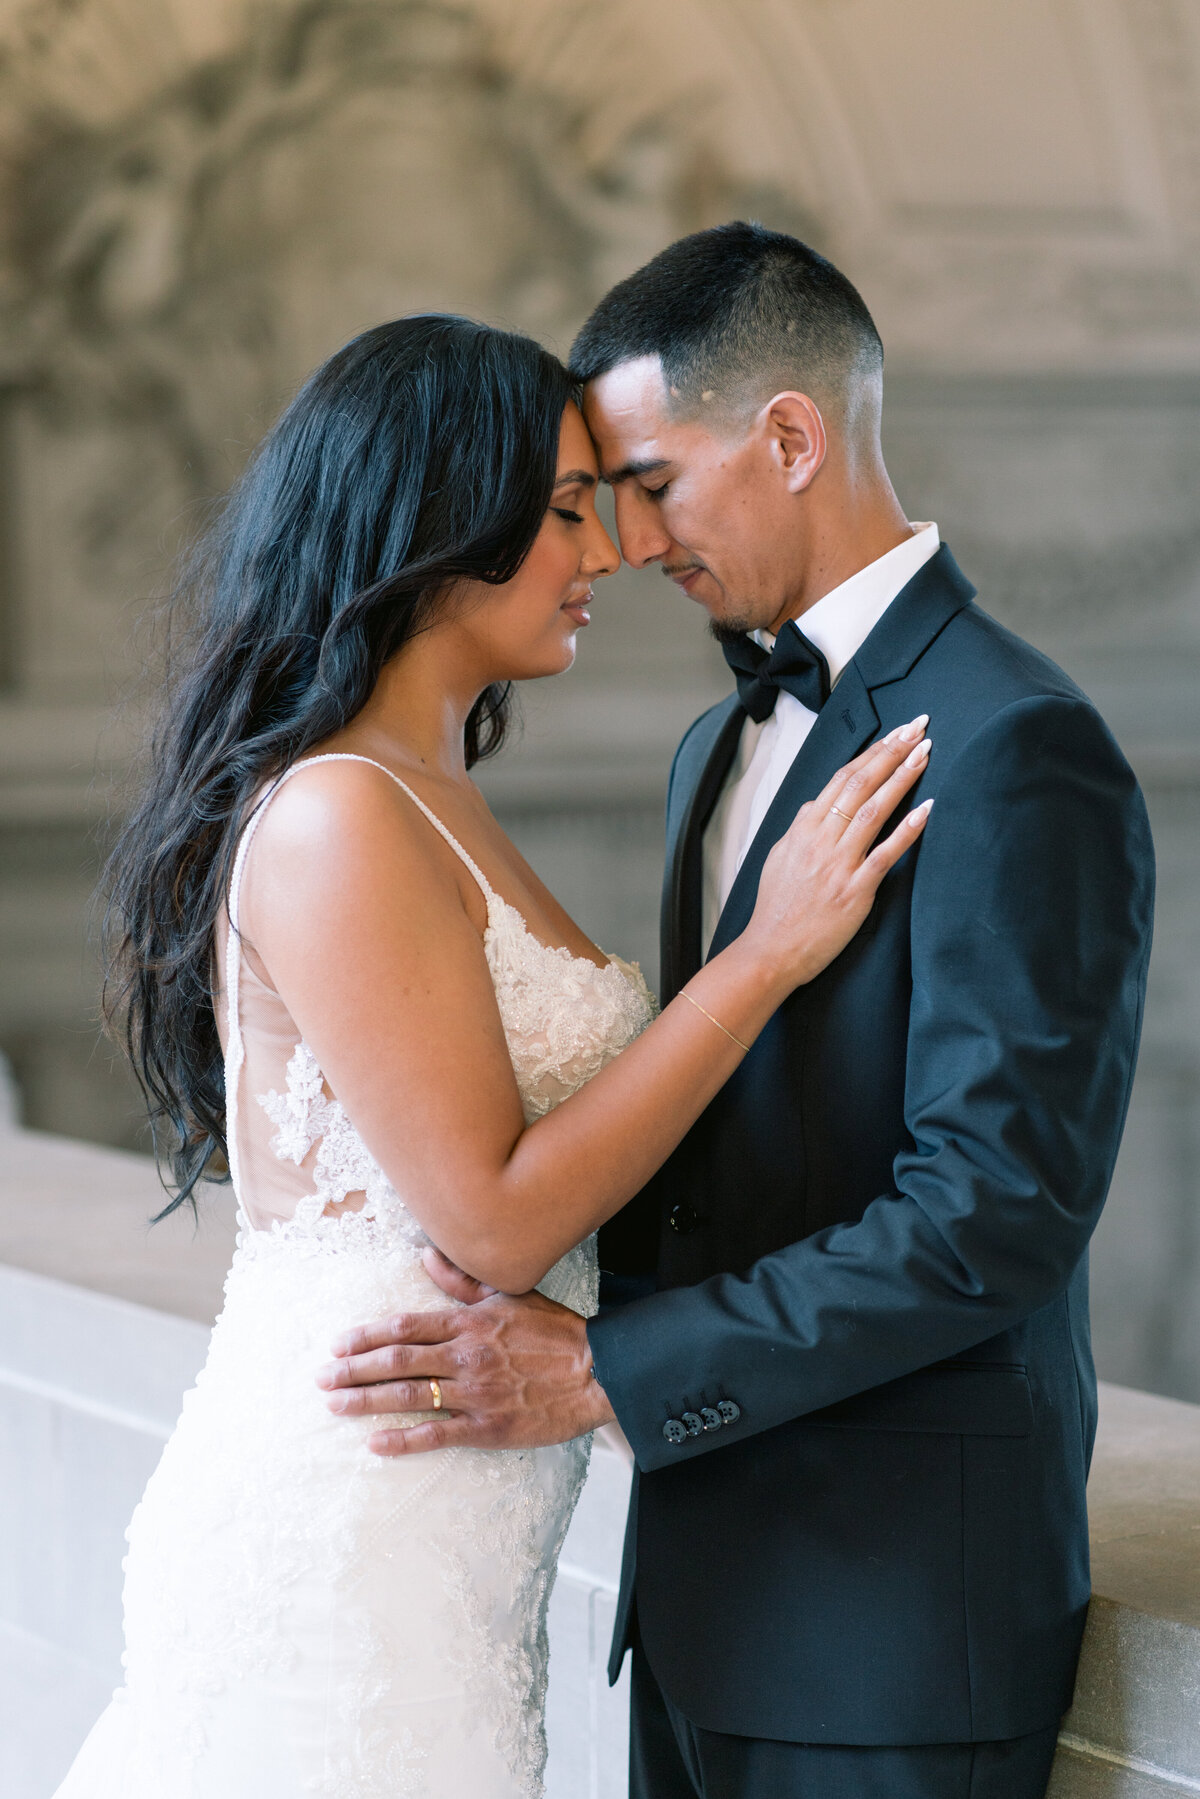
1031, 921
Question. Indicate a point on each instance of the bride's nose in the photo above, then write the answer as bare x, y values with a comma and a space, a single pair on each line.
601, 557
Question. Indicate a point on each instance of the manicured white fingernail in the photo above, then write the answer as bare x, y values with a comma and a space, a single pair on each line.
917, 756
909, 733
920, 812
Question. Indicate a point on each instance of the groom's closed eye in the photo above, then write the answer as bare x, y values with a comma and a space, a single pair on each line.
634, 471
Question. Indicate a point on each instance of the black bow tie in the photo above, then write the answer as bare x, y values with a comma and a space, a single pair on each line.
794, 664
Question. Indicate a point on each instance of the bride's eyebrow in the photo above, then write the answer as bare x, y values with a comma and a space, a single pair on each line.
577, 477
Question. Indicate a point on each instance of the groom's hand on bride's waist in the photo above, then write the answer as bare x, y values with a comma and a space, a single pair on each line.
511, 1373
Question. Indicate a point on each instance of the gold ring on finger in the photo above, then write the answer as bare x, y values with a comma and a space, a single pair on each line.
846, 815
435, 1387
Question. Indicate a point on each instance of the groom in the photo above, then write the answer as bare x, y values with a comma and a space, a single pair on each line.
846, 1329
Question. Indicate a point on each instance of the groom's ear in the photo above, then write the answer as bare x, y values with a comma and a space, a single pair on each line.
795, 434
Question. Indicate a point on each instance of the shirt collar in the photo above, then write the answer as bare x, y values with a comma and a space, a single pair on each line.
841, 621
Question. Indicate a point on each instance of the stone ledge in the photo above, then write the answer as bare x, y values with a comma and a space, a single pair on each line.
81, 1213
1133, 1731
1082, 1771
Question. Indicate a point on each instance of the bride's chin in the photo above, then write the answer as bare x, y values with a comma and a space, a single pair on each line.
555, 662
539, 668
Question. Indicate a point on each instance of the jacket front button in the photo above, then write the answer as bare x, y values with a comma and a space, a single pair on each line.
683, 1218
693, 1423
712, 1418
675, 1431
730, 1410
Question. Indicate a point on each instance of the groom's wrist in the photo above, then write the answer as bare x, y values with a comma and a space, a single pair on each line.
596, 1404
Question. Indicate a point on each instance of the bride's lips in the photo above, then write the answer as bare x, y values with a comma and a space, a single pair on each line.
578, 609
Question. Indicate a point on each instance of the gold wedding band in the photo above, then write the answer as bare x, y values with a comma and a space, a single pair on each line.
846, 815
435, 1387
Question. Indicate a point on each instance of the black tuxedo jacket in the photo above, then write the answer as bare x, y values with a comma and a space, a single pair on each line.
860, 1387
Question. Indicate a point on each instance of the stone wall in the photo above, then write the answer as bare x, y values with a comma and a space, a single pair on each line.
198, 203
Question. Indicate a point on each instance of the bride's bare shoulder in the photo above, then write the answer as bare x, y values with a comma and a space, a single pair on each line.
338, 805
335, 834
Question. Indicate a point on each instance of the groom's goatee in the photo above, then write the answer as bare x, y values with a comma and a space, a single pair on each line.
728, 630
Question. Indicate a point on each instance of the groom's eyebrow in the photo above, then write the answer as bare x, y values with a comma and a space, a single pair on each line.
629, 471
576, 477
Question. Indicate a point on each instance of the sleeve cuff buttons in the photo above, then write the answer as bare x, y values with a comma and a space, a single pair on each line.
693, 1424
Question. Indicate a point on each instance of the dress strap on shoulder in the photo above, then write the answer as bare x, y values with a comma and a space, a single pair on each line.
467, 861
235, 1052
344, 756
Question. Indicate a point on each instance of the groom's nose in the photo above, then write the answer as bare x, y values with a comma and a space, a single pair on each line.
640, 530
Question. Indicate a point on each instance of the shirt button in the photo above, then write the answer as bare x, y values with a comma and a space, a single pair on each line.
712, 1418
674, 1431
683, 1218
730, 1410
693, 1423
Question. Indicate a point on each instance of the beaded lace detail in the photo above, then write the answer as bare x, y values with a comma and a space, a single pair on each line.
305, 1618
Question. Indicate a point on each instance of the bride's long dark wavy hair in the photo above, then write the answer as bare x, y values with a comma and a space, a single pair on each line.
422, 454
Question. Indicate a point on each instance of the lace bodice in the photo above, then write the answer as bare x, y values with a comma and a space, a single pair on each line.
564, 1017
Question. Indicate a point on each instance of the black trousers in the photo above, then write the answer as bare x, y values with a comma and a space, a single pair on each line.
670, 1758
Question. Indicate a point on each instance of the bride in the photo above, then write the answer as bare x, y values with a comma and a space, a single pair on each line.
340, 979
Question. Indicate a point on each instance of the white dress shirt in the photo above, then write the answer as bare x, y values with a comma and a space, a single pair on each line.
838, 625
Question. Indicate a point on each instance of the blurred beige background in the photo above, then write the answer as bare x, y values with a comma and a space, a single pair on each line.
199, 199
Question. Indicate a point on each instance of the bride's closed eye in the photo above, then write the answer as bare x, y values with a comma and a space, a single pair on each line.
572, 518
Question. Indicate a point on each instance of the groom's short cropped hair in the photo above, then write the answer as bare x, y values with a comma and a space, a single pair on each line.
737, 313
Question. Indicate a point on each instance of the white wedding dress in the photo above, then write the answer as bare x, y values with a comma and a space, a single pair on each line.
303, 1619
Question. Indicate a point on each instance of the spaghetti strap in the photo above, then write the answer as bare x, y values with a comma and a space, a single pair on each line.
235, 1049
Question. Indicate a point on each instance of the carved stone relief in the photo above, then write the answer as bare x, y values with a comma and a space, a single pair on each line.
178, 271
186, 238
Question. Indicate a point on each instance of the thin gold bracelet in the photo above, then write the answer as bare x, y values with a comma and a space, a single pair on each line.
744, 1047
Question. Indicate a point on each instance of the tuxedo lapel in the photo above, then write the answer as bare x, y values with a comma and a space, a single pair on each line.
848, 720
700, 770
918, 614
846, 723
